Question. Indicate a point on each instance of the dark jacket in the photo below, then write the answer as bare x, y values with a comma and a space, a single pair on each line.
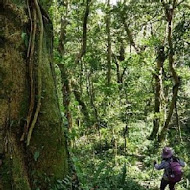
165, 164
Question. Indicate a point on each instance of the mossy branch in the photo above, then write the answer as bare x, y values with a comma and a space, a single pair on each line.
40, 51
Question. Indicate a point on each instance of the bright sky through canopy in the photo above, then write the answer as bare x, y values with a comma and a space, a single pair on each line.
113, 2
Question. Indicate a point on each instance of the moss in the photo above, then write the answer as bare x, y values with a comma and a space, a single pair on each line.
19, 2
20, 180
2, 41
48, 137
46, 4
5, 171
2, 76
24, 105
11, 10
13, 174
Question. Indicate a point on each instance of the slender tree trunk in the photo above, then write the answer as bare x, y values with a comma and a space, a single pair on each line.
178, 123
84, 108
117, 60
170, 16
84, 36
92, 98
109, 53
125, 135
66, 88
158, 92
45, 157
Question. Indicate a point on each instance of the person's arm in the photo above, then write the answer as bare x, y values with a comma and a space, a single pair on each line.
160, 166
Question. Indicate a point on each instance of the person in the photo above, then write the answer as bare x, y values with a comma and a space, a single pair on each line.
167, 158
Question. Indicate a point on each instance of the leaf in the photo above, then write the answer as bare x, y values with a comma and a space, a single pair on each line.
59, 181
23, 36
36, 155
102, 165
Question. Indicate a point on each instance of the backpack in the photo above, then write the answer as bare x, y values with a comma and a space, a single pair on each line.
175, 171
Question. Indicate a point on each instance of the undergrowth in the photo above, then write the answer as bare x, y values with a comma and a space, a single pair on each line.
100, 166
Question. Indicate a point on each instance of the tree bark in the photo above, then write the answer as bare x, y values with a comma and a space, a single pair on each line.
158, 91
84, 36
66, 88
46, 157
170, 16
84, 108
109, 52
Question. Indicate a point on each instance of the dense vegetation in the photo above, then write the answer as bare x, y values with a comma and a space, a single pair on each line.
125, 76
113, 82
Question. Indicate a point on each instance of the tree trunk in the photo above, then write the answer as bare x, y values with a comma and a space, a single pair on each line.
66, 89
82, 51
109, 53
176, 80
45, 159
84, 109
158, 92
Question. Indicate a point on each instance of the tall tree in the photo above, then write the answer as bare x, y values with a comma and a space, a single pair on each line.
109, 52
66, 87
82, 51
29, 105
170, 14
158, 75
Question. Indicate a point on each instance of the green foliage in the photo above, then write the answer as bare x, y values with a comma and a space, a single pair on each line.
62, 184
24, 37
138, 29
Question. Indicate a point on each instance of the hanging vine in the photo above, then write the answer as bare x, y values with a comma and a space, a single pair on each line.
34, 110
30, 57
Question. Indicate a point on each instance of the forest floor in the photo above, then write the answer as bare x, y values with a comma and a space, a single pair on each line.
106, 167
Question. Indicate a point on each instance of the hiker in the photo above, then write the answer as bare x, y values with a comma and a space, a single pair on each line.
172, 169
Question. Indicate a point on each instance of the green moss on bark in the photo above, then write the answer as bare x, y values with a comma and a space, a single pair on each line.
48, 138
13, 171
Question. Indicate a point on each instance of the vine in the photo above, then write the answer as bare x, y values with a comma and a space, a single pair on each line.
40, 47
30, 54
33, 113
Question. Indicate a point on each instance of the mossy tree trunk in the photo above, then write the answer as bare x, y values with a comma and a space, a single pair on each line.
45, 159
158, 91
170, 16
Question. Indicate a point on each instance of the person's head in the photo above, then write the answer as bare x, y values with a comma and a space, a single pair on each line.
167, 153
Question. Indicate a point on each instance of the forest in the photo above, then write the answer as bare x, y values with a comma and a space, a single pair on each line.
94, 94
